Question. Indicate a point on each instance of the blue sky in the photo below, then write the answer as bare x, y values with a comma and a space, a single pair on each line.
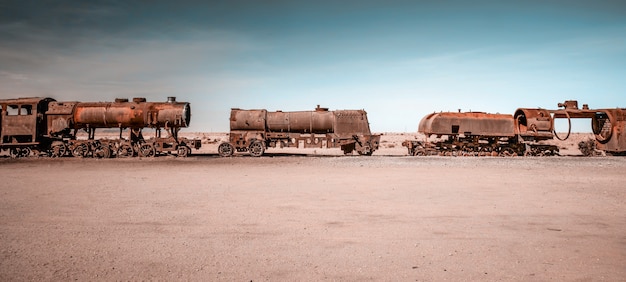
399, 60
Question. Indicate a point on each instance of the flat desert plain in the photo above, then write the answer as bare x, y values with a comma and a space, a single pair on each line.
311, 216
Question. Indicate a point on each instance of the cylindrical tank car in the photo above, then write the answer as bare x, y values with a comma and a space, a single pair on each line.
255, 130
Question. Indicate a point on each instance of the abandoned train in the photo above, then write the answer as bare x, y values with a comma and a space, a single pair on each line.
253, 131
46, 127
523, 133
484, 134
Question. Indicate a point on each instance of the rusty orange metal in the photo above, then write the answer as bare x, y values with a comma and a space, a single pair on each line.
255, 130
467, 124
49, 127
484, 134
534, 124
608, 125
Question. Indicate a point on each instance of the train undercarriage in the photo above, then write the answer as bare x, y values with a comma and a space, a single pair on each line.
133, 146
363, 145
473, 146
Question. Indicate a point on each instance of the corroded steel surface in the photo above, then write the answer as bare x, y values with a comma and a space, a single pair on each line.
530, 126
608, 125
247, 119
319, 122
254, 130
21, 120
484, 134
535, 123
136, 114
44, 126
467, 124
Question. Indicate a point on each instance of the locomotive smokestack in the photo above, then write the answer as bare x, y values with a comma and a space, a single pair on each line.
320, 109
171, 99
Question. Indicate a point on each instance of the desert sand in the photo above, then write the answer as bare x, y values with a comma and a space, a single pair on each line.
309, 215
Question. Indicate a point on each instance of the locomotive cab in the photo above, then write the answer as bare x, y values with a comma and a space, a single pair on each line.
21, 121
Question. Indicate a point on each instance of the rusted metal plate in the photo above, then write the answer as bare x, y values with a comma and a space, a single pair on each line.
318, 121
609, 127
134, 114
247, 119
467, 124
20, 120
535, 123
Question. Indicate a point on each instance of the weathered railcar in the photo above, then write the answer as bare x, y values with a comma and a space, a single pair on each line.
253, 131
519, 134
49, 127
485, 134
23, 126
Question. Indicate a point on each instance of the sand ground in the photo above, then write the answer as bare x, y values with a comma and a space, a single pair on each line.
298, 217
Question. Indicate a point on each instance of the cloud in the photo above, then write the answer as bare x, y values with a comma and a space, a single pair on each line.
12, 76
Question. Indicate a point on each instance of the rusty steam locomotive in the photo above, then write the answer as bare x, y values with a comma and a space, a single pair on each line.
523, 133
484, 134
47, 127
253, 131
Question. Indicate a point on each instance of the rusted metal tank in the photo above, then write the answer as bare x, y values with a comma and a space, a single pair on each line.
118, 114
247, 119
135, 114
254, 130
467, 124
319, 121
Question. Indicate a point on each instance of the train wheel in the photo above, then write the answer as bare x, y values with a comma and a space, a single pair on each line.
365, 152
125, 151
347, 149
80, 151
508, 152
225, 150
25, 152
15, 153
183, 151
58, 150
146, 150
256, 149
102, 152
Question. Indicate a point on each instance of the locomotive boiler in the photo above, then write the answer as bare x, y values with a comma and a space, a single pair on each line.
118, 114
253, 131
54, 130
